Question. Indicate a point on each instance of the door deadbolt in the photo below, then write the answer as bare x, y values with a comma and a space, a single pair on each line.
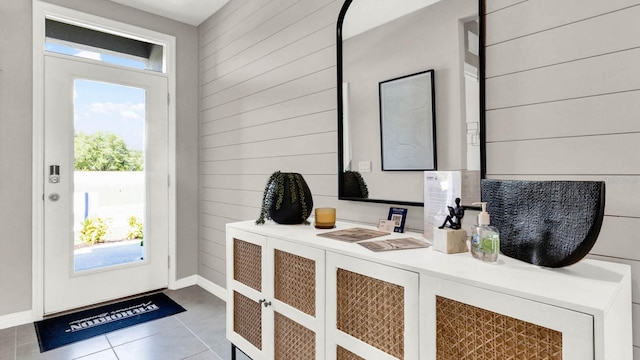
54, 174
54, 196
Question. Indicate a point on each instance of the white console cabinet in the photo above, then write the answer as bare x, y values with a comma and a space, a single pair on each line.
295, 295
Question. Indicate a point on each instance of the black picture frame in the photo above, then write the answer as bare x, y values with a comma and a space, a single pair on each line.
408, 122
399, 215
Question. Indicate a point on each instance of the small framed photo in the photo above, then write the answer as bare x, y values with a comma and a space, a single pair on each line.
398, 216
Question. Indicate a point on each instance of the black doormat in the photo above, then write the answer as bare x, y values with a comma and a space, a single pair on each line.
66, 329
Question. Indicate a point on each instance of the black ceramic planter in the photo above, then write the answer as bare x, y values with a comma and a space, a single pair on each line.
288, 199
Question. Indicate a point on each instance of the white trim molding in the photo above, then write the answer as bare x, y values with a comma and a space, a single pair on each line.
15, 319
213, 288
198, 280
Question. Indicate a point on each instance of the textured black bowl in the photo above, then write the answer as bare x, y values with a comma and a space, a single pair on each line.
546, 223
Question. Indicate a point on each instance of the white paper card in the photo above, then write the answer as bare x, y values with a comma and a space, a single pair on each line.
441, 188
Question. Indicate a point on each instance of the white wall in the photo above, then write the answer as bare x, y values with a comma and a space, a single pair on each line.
15, 156
562, 99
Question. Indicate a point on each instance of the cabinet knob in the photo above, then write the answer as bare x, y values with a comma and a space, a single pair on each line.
264, 302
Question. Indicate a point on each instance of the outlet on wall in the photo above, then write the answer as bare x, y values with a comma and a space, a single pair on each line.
364, 166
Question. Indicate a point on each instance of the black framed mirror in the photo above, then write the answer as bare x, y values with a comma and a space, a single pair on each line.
381, 40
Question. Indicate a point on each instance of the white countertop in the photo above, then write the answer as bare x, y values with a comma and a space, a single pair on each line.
589, 286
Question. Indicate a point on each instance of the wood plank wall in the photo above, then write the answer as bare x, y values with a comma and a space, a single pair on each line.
267, 103
563, 102
563, 91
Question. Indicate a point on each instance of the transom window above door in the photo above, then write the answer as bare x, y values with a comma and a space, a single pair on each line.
74, 40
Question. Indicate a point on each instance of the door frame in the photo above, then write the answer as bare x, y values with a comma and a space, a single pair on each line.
42, 11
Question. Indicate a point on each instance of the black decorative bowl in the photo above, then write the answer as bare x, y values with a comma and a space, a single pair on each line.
546, 223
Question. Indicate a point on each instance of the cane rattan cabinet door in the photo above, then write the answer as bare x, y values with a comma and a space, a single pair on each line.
297, 278
275, 297
246, 292
372, 310
474, 323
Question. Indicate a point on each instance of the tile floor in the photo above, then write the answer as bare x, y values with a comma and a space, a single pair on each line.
196, 334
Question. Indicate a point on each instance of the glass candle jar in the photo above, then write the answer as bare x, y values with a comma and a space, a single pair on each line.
325, 218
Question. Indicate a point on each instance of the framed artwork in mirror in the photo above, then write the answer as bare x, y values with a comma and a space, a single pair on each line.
407, 122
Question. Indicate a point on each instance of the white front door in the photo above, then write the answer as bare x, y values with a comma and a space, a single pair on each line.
106, 183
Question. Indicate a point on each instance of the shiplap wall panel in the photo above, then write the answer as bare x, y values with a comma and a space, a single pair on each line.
214, 208
231, 182
582, 39
268, 93
618, 189
636, 324
213, 196
231, 212
212, 248
216, 224
533, 16
305, 164
267, 103
619, 238
217, 263
210, 274
238, 72
228, 195
301, 29
227, 18
496, 5
292, 42
603, 114
314, 62
312, 83
318, 101
605, 154
261, 25
587, 77
325, 142
255, 183
251, 15
312, 123
282, 19
562, 102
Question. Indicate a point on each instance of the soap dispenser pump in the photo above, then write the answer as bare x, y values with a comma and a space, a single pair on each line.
485, 239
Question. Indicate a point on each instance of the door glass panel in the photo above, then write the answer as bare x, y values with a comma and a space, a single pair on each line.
75, 40
109, 176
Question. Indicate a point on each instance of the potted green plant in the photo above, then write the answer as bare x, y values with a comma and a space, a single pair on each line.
286, 199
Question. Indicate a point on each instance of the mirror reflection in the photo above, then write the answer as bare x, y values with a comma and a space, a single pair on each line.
382, 40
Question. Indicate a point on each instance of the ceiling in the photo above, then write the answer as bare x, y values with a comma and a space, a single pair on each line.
192, 12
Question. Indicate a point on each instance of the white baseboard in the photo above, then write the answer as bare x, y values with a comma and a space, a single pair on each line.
213, 288
184, 282
15, 319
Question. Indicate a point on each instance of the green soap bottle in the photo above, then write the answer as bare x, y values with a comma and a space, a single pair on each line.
485, 239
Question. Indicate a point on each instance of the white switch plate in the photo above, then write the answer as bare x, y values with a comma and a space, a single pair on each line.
364, 166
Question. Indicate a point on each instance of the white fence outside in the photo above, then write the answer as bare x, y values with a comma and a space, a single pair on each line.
115, 195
